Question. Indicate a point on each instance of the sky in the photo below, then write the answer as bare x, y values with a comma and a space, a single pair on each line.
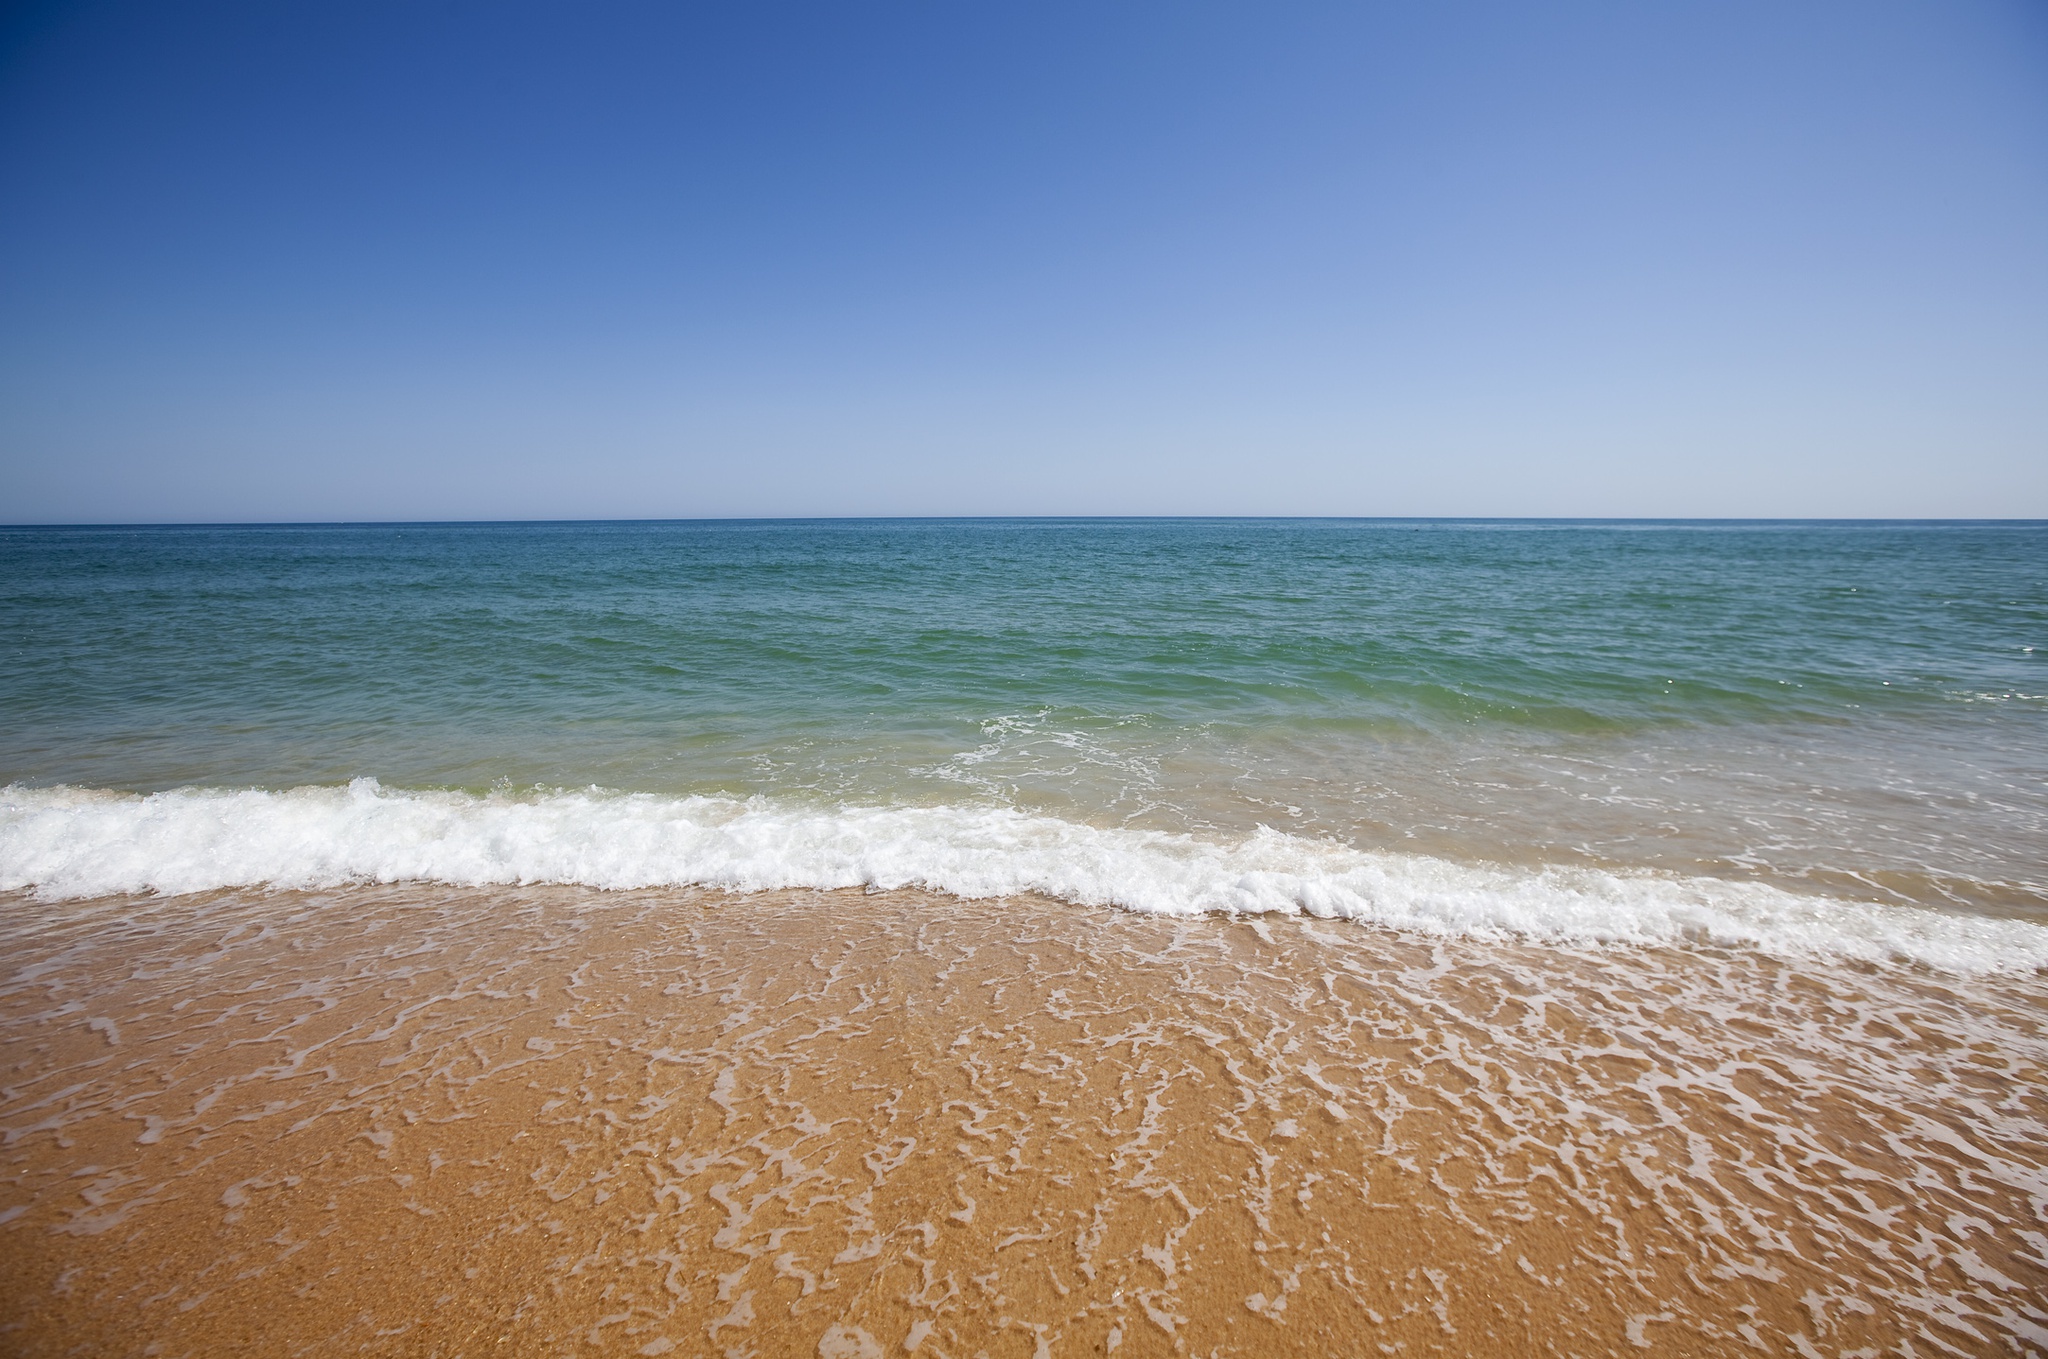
445, 260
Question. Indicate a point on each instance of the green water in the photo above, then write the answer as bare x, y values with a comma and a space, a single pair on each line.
1858, 706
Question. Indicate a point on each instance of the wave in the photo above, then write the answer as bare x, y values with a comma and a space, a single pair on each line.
68, 843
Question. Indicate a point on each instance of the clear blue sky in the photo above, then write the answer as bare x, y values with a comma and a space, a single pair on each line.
453, 260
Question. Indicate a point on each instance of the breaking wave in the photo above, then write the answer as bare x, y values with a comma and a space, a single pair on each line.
62, 843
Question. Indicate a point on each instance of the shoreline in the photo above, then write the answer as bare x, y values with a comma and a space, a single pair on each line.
78, 843
423, 1119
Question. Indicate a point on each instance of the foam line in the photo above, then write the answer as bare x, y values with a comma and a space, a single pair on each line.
69, 843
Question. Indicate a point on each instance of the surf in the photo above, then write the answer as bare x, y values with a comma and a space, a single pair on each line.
70, 843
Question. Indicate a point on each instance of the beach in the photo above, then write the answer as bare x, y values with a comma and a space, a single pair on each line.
1025, 938
1041, 681
416, 1120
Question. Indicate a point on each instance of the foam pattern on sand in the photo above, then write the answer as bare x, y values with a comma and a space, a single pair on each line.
392, 1120
70, 843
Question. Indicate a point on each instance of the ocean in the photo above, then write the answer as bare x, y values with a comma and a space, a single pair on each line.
1589, 730
1705, 808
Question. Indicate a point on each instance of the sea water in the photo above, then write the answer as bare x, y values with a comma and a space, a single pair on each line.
1801, 735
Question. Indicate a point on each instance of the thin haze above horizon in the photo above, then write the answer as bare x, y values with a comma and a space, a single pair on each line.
457, 261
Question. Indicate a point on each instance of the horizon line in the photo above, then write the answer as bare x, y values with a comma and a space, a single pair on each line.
1838, 520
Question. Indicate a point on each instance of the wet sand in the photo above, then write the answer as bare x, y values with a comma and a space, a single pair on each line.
428, 1121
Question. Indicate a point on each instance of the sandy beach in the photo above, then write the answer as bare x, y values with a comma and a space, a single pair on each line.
1000, 681
435, 1121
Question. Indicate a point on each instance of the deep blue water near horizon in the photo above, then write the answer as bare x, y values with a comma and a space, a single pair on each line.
1852, 707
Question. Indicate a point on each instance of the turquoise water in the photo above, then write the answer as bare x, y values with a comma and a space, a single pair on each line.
1848, 709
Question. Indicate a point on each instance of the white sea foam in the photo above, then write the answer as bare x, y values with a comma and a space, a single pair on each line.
69, 843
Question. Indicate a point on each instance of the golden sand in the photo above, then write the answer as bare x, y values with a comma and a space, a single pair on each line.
537, 1122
